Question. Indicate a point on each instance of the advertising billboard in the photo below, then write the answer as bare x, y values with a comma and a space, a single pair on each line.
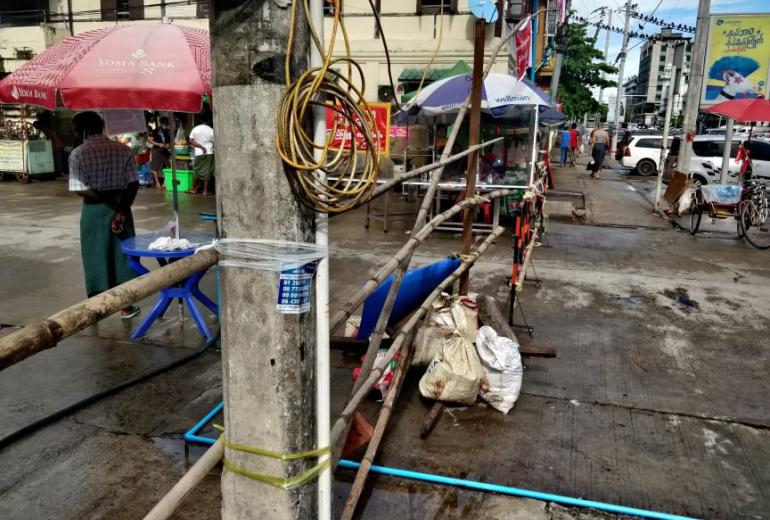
737, 57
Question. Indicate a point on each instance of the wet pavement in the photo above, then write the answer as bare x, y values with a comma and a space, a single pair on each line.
657, 398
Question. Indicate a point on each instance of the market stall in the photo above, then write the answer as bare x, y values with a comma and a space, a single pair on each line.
510, 109
21, 154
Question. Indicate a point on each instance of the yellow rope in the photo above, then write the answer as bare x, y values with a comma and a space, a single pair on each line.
279, 482
355, 169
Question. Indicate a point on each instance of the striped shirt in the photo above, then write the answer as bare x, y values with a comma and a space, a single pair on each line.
100, 164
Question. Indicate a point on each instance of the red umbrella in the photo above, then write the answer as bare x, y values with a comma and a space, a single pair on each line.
743, 110
143, 66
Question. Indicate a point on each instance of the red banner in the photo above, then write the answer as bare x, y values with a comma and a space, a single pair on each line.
523, 43
380, 114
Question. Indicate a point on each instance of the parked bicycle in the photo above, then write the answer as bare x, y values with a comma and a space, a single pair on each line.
749, 206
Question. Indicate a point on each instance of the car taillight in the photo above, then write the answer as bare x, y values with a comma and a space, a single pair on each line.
627, 152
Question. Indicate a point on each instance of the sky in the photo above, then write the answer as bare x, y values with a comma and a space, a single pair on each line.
675, 11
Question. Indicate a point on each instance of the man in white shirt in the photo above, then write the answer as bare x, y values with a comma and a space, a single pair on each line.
202, 140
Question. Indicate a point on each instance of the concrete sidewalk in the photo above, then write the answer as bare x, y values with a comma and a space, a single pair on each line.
611, 200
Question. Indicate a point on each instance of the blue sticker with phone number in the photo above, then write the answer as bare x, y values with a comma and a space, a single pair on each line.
295, 289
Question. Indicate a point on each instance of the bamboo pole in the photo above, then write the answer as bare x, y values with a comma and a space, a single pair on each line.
390, 183
415, 240
197, 472
377, 370
407, 351
47, 333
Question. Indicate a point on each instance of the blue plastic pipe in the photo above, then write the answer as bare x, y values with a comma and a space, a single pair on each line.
506, 490
192, 436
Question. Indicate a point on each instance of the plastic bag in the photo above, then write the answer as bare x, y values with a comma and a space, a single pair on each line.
383, 384
267, 255
455, 374
447, 314
502, 364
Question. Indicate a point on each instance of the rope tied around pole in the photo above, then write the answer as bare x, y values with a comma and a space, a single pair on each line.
285, 483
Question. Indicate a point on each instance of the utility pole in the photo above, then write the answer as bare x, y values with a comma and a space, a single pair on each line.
666, 128
695, 86
268, 358
606, 47
561, 34
480, 30
629, 7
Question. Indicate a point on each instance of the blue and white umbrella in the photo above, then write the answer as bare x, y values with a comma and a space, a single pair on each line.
499, 93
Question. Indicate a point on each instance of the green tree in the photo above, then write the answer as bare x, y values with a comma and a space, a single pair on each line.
582, 68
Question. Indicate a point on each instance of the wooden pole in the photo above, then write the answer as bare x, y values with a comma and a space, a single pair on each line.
46, 333
197, 472
473, 139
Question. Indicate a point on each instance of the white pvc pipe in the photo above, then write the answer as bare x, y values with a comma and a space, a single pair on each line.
322, 372
724, 176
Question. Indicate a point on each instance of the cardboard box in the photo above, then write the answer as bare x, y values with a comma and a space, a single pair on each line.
678, 184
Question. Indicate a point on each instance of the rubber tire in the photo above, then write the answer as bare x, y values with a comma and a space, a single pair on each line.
695, 217
646, 167
743, 230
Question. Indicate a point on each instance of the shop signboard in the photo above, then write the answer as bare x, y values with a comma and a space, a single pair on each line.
737, 57
11, 156
380, 113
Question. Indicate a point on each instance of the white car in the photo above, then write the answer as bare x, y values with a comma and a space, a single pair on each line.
706, 159
643, 153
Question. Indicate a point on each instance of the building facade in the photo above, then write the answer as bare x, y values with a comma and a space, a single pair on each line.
413, 29
652, 90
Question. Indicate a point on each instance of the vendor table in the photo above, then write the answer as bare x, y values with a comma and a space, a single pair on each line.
459, 187
187, 291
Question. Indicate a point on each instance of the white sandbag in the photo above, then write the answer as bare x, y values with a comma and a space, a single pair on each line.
455, 374
502, 364
447, 314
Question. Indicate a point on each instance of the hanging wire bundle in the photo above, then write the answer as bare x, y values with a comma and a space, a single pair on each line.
343, 177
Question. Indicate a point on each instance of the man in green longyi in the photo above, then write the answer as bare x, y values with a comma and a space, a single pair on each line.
104, 174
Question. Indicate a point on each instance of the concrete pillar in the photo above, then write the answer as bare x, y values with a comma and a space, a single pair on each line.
268, 358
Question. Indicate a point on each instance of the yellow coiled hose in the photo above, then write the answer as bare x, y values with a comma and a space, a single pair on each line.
354, 170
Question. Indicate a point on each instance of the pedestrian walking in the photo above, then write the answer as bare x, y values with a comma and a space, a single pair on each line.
565, 140
600, 139
103, 173
160, 139
574, 142
202, 141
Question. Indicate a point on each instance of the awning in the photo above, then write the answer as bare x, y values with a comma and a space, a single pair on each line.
433, 75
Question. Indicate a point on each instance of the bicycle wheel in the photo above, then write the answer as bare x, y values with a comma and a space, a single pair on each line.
696, 212
755, 221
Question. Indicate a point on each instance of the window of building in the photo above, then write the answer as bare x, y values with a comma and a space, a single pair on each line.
329, 7
202, 10
434, 6
122, 10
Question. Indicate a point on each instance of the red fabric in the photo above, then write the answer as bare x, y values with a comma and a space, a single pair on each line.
143, 66
743, 110
743, 157
573, 138
523, 48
